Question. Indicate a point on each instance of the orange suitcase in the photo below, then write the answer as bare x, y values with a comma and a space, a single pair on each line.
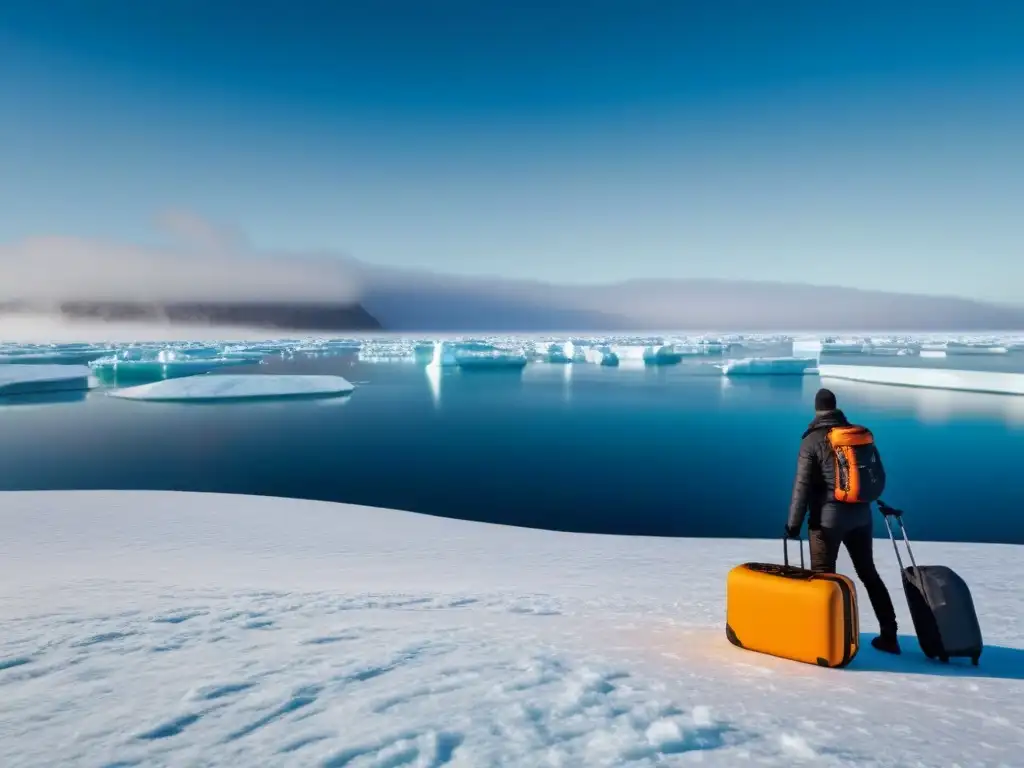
793, 613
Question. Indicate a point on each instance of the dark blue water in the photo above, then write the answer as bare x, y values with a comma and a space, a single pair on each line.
662, 452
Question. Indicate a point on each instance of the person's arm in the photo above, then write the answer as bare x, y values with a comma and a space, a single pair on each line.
801, 487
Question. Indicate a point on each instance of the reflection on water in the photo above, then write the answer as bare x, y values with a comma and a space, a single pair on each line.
434, 374
743, 385
40, 399
935, 406
501, 426
745, 390
473, 383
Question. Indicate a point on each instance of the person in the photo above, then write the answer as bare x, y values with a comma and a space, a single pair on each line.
832, 523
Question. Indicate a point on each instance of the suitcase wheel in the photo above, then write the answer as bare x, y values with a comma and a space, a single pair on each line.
944, 659
974, 660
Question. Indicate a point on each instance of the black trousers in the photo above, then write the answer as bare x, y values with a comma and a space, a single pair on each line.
824, 544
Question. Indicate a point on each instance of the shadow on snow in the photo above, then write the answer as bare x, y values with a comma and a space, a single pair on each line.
997, 661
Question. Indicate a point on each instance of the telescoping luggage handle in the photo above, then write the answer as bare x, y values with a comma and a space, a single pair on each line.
785, 551
896, 514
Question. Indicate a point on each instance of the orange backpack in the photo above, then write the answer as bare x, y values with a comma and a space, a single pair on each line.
860, 476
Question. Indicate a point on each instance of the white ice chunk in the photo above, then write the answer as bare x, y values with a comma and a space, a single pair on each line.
805, 347
665, 354
847, 347
492, 360
758, 366
630, 351
958, 348
18, 379
936, 378
601, 356
237, 387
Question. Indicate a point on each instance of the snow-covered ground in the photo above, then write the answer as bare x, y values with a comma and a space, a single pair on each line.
157, 628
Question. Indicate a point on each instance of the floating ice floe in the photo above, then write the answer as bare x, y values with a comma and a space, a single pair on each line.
975, 348
443, 356
806, 347
237, 387
164, 364
758, 366
492, 361
602, 356
836, 346
51, 357
33, 379
662, 355
994, 382
560, 353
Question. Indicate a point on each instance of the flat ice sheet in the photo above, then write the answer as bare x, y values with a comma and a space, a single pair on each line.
174, 629
994, 382
237, 387
21, 379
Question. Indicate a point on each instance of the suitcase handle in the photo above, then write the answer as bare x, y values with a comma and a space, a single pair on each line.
888, 512
785, 552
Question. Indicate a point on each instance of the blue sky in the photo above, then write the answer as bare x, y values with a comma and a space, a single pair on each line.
833, 143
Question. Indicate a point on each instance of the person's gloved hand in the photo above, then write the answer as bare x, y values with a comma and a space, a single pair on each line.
792, 533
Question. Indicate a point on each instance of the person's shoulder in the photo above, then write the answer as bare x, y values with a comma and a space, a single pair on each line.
813, 438
810, 438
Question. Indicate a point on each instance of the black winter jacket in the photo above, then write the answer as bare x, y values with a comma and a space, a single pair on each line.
813, 487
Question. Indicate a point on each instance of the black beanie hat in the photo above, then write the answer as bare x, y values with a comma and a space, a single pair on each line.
824, 400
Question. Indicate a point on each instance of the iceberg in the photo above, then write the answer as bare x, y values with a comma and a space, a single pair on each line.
835, 346
975, 348
561, 353
475, 355
237, 387
629, 352
662, 355
494, 361
32, 379
423, 353
165, 364
480, 356
804, 347
601, 356
759, 366
443, 356
993, 382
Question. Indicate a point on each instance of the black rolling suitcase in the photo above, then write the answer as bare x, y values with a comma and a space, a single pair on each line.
940, 603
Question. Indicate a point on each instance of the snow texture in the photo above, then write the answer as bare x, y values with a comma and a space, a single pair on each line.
935, 378
26, 379
174, 629
237, 387
760, 366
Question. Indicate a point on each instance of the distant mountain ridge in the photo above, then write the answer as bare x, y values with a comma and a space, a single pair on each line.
423, 301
